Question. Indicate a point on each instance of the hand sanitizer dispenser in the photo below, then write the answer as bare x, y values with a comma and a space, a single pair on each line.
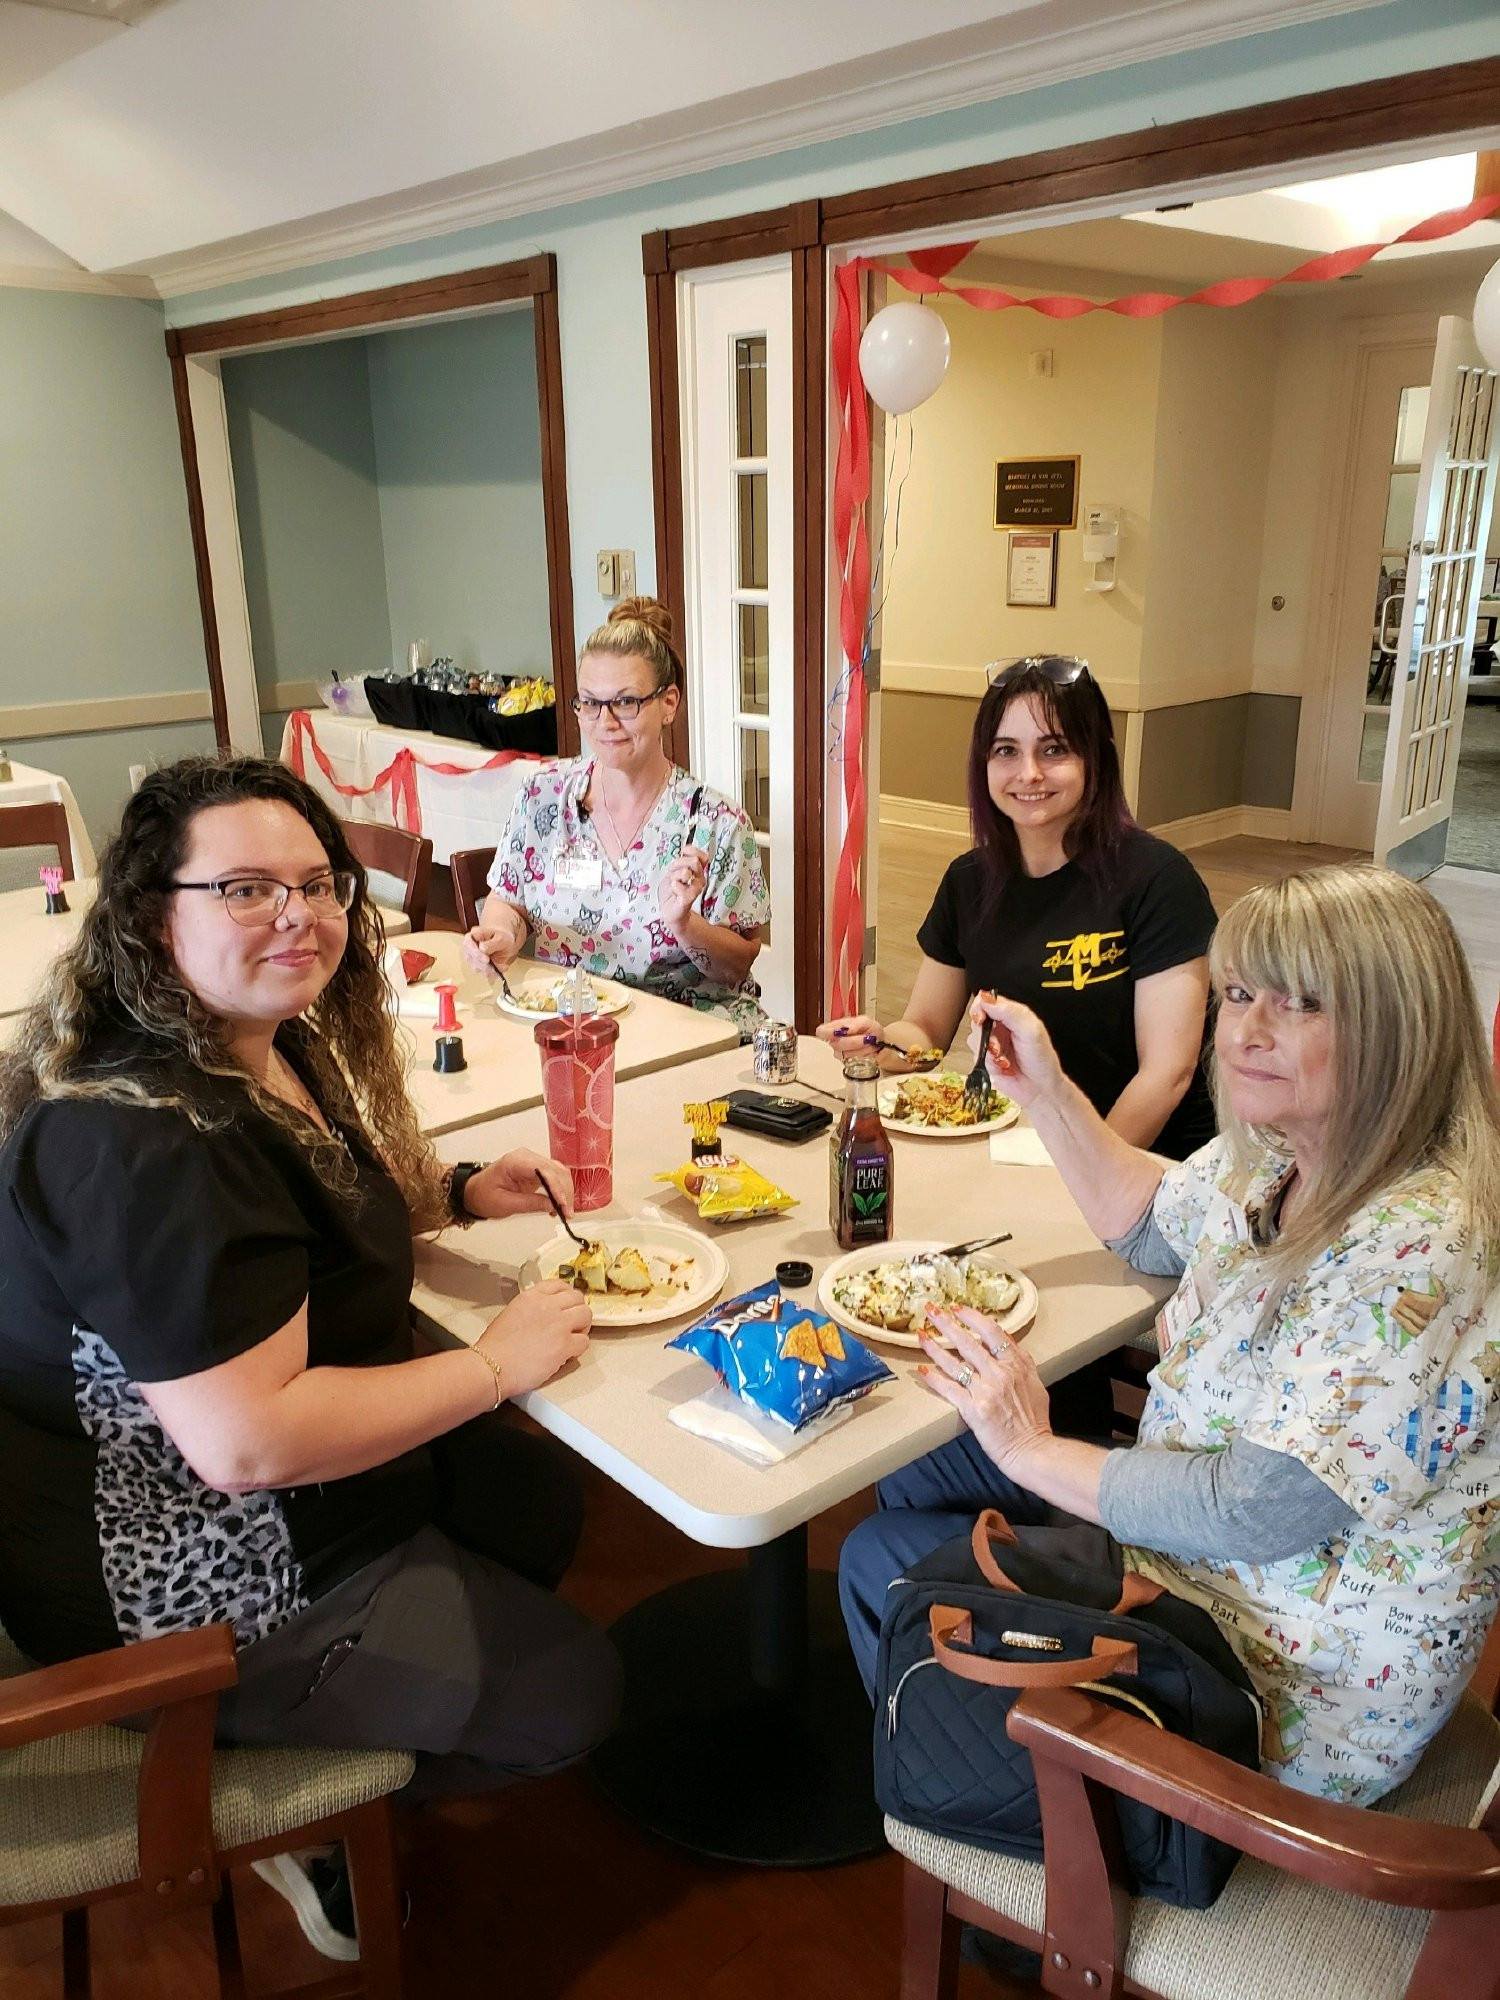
1101, 545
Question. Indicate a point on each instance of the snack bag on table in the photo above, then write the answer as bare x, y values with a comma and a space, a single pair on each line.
723, 1186
789, 1362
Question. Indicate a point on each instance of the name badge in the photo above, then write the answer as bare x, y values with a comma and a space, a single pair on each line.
1183, 1310
580, 868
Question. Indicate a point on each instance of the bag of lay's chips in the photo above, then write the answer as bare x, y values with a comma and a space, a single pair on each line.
788, 1361
725, 1189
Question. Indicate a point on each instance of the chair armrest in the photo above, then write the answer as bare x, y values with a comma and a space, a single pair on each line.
103, 1687
1414, 1863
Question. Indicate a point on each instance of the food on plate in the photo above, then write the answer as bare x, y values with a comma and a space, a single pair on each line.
726, 1190
937, 1101
896, 1295
629, 1272
786, 1360
554, 996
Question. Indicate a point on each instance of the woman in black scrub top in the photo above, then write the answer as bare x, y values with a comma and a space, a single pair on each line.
1065, 904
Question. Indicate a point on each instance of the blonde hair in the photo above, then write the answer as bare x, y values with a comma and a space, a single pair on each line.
1414, 1080
640, 626
118, 977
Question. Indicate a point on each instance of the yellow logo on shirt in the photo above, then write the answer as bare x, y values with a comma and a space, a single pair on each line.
1088, 959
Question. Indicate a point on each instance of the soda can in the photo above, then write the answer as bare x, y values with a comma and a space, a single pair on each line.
775, 1053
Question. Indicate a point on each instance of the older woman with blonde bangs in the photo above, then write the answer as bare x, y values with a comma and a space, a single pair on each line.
1317, 1464
211, 1405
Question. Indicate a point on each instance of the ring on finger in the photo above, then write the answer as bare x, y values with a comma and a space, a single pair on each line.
965, 1376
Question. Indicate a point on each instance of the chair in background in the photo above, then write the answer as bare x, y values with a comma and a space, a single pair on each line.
38, 826
1330, 1902
470, 869
91, 1813
405, 857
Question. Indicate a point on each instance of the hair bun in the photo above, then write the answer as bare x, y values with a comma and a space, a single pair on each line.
647, 611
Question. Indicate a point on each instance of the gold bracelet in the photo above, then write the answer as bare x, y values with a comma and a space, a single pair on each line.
494, 1367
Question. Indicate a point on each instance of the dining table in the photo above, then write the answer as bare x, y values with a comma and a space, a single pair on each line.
503, 1071
30, 939
746, 1731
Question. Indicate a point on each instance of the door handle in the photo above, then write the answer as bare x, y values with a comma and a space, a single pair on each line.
1388, 637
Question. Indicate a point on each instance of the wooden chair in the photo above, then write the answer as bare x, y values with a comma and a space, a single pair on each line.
470, 869
406, 857
1330, 1903
38, 826
89, 1813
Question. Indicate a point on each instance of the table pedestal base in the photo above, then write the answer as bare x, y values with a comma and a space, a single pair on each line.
736, 1740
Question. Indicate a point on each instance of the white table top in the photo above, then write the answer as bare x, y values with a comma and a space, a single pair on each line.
30, 939
504, 1072
29, 785
611, 1407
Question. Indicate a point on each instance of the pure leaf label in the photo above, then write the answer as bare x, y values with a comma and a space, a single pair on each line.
868, 1204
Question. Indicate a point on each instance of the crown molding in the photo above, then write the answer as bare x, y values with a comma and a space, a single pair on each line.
41, 278
720, 136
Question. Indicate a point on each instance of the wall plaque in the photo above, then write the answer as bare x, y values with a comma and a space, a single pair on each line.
1036, 493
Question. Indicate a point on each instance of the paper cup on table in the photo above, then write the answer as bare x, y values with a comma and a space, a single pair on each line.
578, 1089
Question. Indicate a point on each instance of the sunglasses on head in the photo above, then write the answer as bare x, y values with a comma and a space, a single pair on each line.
1062, 669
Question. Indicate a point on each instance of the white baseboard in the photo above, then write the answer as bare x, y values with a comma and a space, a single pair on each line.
923, 816
1229, 822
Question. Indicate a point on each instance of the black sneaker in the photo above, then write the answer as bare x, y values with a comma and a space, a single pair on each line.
317, 1887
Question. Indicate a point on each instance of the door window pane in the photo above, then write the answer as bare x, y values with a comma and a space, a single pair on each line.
755, 659
755, 778
754, 572
1411, 423
1399, 511
750, 396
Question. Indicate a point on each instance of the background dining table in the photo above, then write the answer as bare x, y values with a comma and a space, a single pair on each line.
747, 1732
30, 939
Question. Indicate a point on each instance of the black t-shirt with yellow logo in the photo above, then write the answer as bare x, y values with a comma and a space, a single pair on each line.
1073, 950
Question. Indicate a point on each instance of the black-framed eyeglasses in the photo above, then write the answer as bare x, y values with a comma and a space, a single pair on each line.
1062, 669
623, 707
260, 899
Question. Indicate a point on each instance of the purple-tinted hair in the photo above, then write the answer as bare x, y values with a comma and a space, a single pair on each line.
1079, 714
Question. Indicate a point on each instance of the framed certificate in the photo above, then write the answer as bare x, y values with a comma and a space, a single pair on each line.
1031, 570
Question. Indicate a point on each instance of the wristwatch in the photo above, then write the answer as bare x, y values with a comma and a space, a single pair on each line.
458, 1180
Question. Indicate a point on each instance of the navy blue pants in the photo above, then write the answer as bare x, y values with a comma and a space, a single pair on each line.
927, 1503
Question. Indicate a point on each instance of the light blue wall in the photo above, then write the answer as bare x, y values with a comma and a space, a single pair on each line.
303, 451
459, 459
597, 243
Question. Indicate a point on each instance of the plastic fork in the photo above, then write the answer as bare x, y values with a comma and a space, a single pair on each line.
978, 1090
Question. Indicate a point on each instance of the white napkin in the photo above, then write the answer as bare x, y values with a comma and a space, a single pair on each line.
723, 1418
1019, 1146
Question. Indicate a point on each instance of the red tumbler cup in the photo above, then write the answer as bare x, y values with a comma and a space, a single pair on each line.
578, 1089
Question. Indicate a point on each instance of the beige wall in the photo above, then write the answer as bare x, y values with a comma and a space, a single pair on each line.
947, 583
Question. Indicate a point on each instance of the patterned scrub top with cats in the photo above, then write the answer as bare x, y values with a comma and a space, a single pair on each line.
582, 907
1375, 1369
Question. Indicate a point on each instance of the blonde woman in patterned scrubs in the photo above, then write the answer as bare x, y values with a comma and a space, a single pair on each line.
621, 861
1317, 1464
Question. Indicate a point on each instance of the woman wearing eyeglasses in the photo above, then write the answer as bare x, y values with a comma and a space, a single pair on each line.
211, 1409
621, 861
1065, 904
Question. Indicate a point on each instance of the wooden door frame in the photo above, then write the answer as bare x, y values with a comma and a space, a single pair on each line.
1353, 119
531, 281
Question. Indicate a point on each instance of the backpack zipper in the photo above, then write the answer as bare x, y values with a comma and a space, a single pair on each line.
895, 1695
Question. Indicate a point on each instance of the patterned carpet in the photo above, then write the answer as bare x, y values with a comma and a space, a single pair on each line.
1474, 835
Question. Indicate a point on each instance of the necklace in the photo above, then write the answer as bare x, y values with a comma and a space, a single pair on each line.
609, 819
301, 1099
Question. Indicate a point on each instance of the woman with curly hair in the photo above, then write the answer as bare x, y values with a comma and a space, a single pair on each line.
210, 1406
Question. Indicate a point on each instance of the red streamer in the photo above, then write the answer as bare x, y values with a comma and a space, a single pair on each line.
399, 776
924, 273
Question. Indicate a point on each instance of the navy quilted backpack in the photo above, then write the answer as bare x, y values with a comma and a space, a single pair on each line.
986, 1616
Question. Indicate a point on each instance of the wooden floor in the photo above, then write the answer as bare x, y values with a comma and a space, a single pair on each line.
545, 1891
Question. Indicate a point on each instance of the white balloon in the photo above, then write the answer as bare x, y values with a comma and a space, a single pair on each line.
903, 356
1486, 316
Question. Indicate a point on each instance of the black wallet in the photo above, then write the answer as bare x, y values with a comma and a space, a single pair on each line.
790, 1118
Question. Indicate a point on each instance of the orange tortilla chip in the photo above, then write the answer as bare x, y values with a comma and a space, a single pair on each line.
832, 1342
801, 1344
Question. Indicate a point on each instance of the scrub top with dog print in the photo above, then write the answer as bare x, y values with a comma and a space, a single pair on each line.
584, 907
1375, 1369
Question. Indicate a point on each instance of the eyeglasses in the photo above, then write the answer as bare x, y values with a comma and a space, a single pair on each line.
1062, 669
258, 899
623, 707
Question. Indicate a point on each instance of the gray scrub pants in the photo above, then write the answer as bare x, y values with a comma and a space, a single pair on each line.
452, 1645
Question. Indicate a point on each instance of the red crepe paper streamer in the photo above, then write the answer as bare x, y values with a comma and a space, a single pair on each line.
924, 273
399, 776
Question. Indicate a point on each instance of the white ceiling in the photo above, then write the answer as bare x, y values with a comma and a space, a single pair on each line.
224, 136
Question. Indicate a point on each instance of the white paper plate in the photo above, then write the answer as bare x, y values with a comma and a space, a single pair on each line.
887, 1096
644, 1234
1020, 1316
611, 999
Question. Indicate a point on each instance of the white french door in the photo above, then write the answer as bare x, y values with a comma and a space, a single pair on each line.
735, 341
1450, 526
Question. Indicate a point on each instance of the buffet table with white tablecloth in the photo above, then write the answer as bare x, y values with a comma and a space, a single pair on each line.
455, 809
29, 786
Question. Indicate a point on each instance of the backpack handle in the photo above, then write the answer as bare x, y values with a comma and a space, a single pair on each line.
992, 1527
946, 1624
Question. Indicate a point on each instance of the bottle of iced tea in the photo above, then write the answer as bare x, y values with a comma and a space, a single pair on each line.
861, 1191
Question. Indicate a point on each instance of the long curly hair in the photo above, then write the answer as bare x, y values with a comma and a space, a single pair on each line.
119, 977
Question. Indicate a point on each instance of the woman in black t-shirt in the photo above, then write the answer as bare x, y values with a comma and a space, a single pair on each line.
1063, 902
210, 1404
